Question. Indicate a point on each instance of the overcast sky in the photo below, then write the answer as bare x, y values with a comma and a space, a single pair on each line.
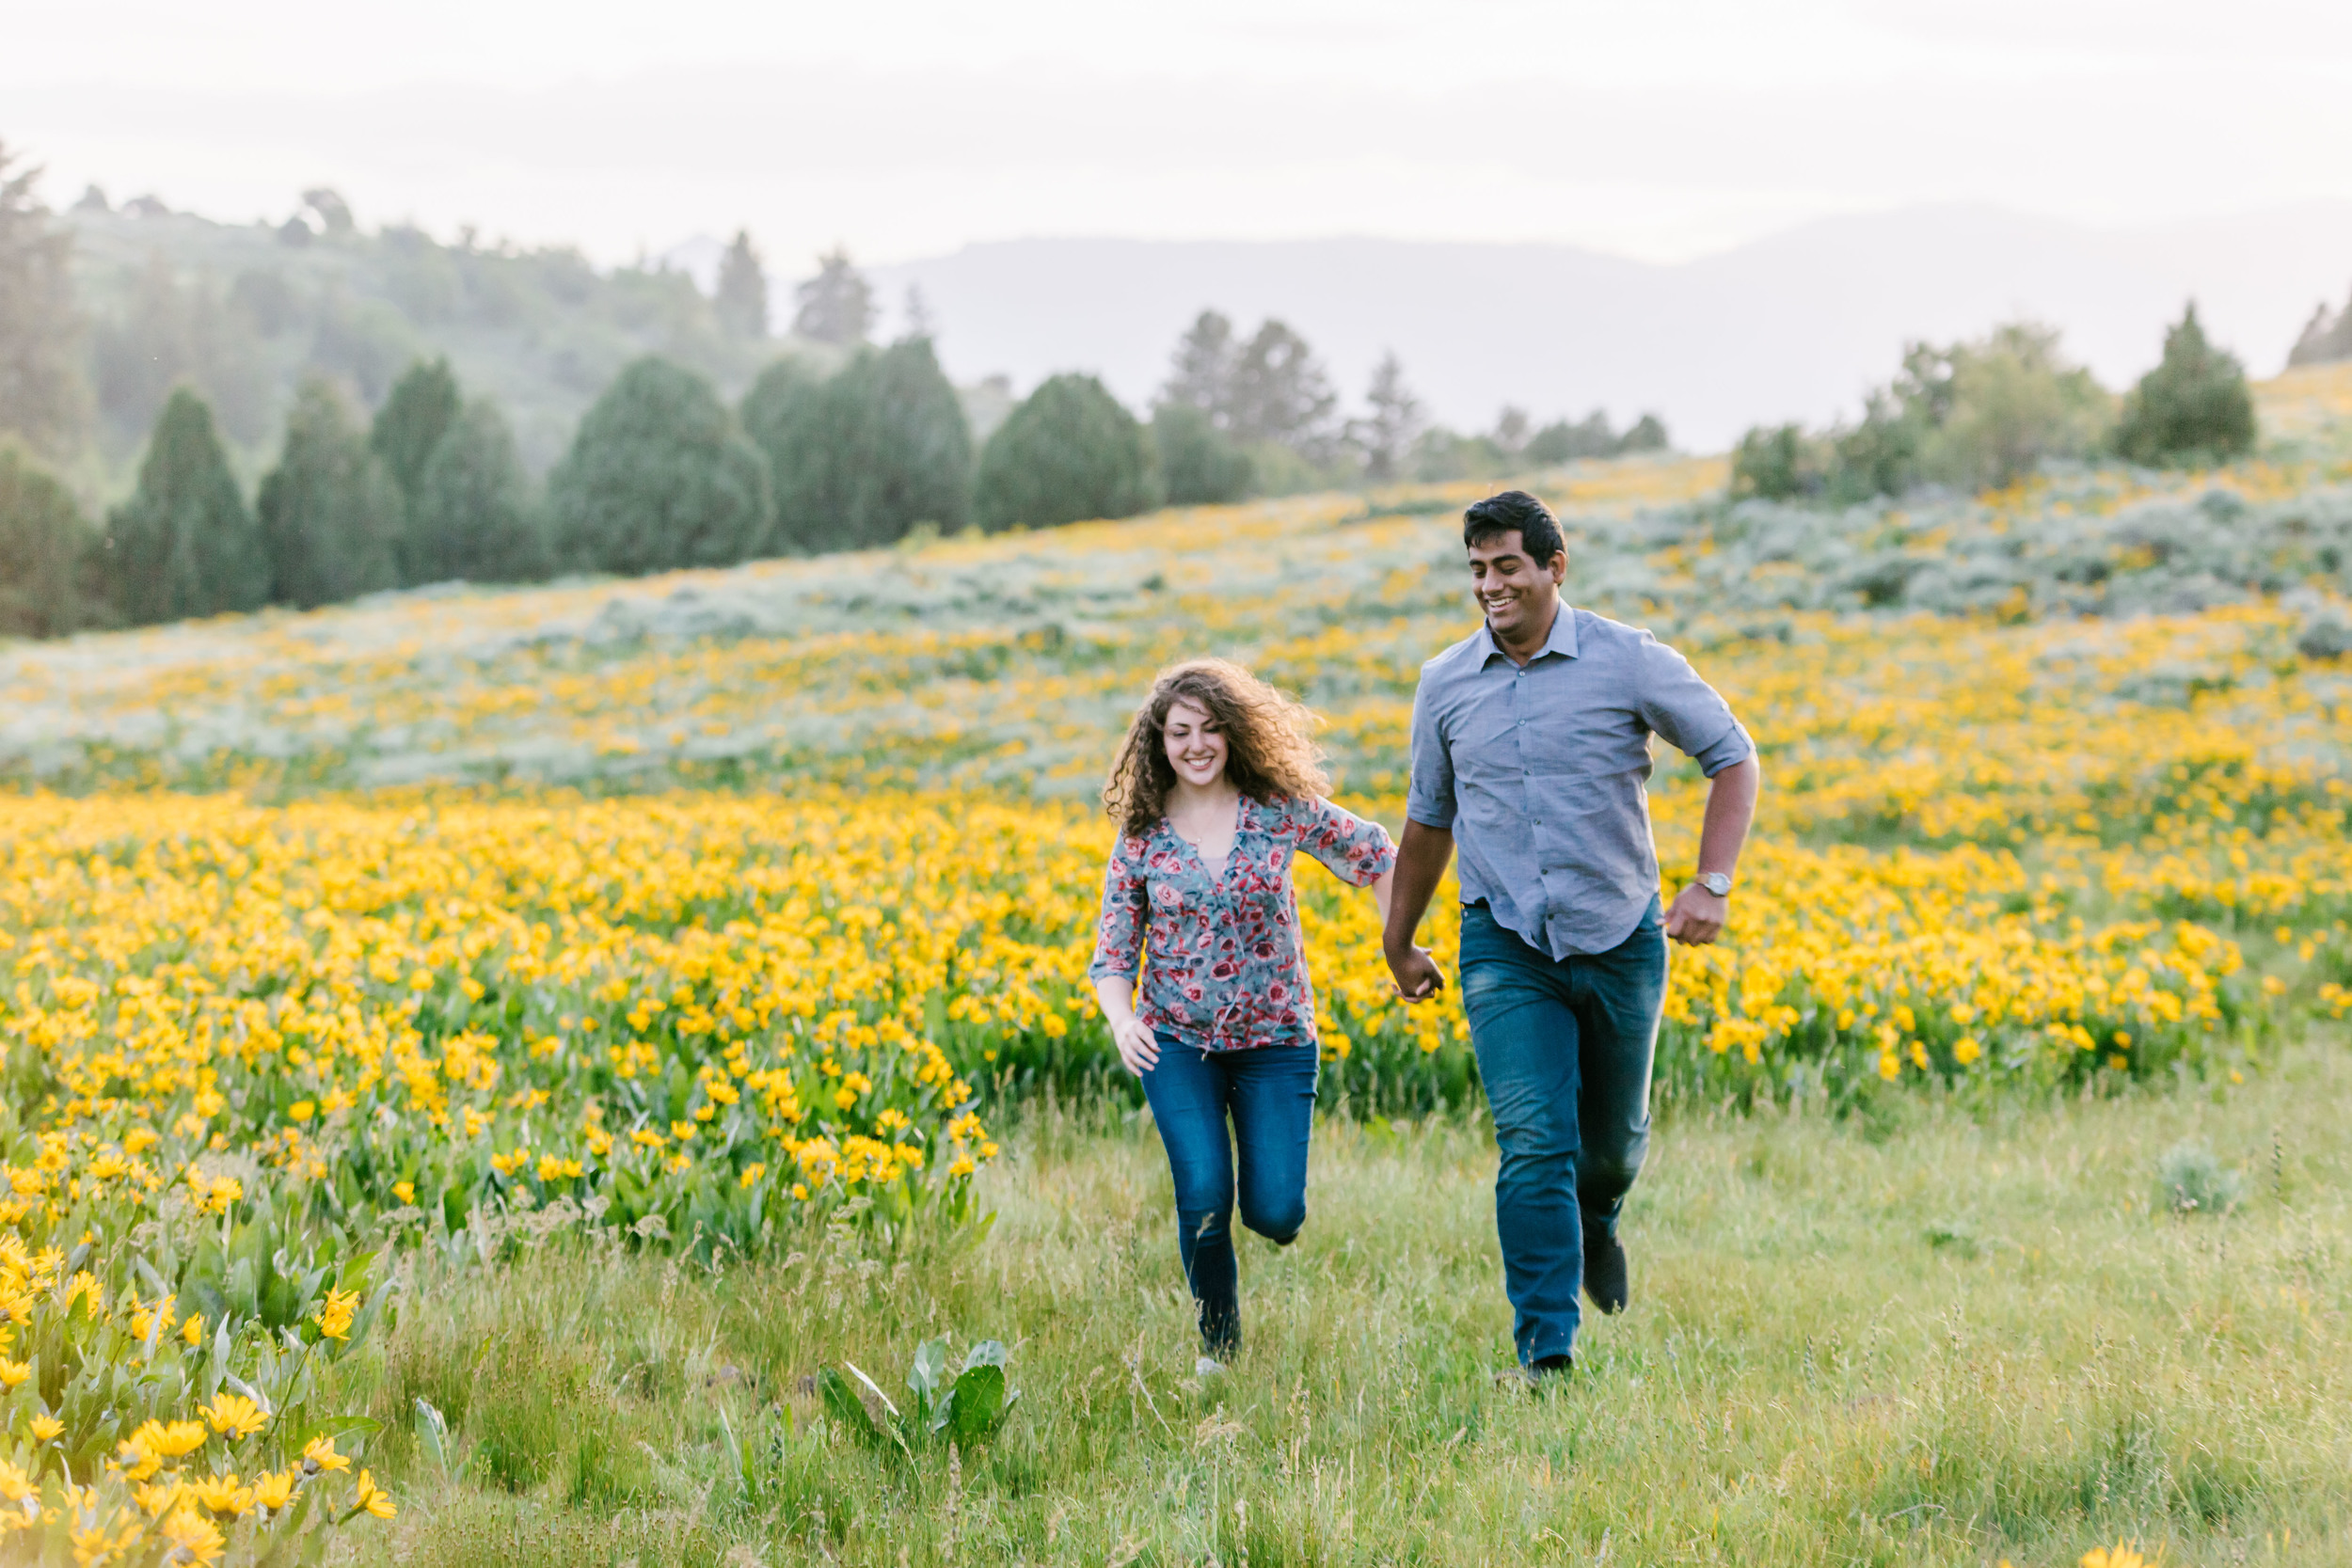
1662, 128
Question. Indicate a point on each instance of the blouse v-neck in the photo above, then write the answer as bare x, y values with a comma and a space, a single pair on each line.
1216, 872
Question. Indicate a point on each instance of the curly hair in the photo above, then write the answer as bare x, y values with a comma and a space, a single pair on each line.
1269, 754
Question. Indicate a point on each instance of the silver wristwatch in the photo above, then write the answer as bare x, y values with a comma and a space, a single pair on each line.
1716, 883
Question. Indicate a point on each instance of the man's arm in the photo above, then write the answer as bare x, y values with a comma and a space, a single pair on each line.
1697, 915
1420, 863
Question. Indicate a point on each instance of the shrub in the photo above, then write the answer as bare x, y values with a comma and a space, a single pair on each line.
2190, 1180
472, 516
863, 457
330, 513
1198, 464
2194, 407
658, 477
1070, 451
1780, 463
45, 547
184, 544
2014, 402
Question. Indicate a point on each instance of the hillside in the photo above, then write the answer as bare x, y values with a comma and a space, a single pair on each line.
243, 313
1792, 326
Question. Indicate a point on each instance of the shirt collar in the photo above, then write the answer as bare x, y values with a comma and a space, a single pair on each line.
1562, 640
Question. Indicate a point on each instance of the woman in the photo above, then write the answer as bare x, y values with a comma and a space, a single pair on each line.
1215, 787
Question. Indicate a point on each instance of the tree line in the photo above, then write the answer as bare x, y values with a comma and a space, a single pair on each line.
663, 473
1982, 414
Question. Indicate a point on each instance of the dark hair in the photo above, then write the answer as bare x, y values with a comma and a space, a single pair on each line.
1515, 512
1269, 749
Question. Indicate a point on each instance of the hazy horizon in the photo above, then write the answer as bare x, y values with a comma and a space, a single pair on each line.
907, 129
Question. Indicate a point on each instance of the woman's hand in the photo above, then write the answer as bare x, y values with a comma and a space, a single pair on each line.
1137, 1046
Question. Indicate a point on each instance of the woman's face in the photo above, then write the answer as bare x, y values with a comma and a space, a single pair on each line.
1196, 747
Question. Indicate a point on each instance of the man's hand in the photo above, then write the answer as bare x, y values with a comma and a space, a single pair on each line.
1697, 916
1418, 977
1138, 1048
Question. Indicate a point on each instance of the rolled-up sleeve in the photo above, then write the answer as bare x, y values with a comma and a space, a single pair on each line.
1429, 798
1691, 714
1118, 933
1357, 850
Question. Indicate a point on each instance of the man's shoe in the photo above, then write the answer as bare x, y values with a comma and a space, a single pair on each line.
1604, 1270
1542, 1372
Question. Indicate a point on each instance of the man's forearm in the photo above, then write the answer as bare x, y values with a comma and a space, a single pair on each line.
1730, 808
1421, 858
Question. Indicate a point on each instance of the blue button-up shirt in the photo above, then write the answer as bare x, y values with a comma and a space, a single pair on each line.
1539, 771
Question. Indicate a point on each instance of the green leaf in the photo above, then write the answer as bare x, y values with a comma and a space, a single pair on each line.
977, 1406
433, 1432
923, 1378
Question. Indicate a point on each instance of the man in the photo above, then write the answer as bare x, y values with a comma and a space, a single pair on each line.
1531, 749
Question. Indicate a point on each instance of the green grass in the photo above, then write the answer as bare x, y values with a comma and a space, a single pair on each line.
1948, 1336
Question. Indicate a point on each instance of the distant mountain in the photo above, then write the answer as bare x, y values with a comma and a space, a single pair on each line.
1792, 326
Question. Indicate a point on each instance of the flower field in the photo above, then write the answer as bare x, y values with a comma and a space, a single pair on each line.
698, 913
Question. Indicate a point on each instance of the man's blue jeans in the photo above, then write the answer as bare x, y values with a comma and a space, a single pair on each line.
1564, 1047
1270, 1093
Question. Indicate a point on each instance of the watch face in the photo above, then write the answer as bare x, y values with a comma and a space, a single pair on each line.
1716, 883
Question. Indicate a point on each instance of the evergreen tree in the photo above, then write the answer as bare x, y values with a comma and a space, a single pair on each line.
1279, 391
184, 542
46, 548
471, 517
331, 515
1648, 433
836, 305
1200, 375
2193, 407
41, 392
1070, 452
1563, 441
863, 457
1395, 423
658, 477
422, 403
2326, 336
741, 302
1198, 463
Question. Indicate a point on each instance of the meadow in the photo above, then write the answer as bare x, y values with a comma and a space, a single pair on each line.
480, 1067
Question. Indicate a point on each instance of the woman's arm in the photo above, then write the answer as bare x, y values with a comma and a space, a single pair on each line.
1137, 1047
1119, 944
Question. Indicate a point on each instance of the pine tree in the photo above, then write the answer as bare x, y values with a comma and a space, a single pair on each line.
1070, 452
1200, 373
422, 404
836, 305
184, 542
658, 477
2193, 407
472, 516
1646, 434
1394, 423
331, 515
1279, 391
741, 302
46, 549
865, 456
42, 396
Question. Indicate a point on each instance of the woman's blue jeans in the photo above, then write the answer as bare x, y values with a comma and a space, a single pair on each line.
1270, 1094
1564, 1048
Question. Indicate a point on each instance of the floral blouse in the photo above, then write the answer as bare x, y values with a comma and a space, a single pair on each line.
1227, 970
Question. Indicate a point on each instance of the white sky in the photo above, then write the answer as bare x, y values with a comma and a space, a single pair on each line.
1660, 128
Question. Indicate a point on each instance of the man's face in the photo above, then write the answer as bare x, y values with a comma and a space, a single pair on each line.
1517, 594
